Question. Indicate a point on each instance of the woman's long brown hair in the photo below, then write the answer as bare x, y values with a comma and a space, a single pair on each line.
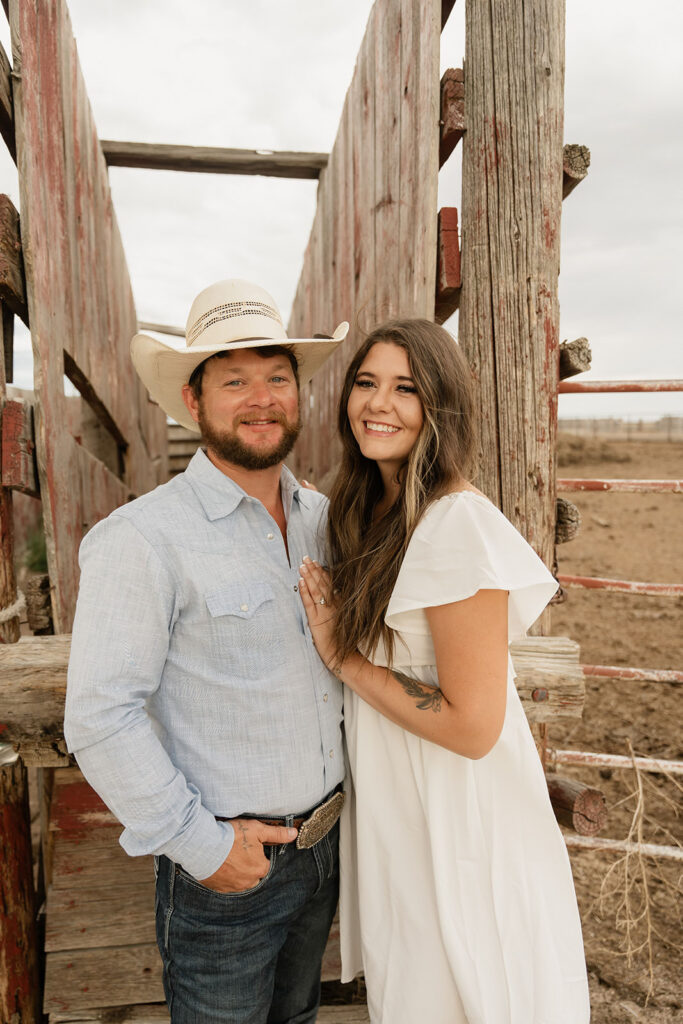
366, 555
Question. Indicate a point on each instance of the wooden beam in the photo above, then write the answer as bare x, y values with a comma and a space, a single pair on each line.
6, 108
509, 308
19, 471
12, 283
33, 686
448, 279
575, 163
452, 112
213, 160
575, 357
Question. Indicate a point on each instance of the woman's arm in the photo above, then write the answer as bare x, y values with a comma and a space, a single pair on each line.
470, 641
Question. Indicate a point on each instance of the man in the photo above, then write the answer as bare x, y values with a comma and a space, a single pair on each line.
197, 706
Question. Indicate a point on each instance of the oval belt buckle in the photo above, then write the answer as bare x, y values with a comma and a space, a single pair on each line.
320, 822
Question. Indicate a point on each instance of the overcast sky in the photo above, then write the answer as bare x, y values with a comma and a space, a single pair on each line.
273, 75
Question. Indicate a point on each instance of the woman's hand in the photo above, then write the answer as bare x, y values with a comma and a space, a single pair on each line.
316, 594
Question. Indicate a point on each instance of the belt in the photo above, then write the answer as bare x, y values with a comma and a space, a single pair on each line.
312, 826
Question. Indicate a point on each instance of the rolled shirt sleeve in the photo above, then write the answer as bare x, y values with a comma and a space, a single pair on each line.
126, 609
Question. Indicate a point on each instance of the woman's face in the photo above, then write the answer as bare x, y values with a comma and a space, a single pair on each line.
384, 410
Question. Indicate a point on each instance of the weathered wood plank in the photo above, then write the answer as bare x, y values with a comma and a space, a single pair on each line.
448, 277
371, 251
12, 286
213, 159
575, 163
18, 467
93, 918
19, 978
6, 109
419, 157
353, 1014
79, 295
150, 1013
115, 976
549, 678
452, 112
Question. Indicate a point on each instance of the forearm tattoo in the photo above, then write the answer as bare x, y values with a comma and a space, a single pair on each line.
428, 698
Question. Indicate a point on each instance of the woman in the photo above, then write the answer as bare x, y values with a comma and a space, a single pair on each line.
457, 897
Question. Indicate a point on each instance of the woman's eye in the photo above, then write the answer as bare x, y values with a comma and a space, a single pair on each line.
363, 383
407, 389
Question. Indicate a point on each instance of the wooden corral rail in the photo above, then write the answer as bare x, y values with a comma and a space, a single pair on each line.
643, 675
621, 586
634, 486
33, 687
598, 387
213, 160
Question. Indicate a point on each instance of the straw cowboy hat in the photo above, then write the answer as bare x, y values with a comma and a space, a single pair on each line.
224, 317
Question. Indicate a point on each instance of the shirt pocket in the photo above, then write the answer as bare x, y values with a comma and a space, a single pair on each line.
242, 600
247, 634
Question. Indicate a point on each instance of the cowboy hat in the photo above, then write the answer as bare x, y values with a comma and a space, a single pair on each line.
227, 315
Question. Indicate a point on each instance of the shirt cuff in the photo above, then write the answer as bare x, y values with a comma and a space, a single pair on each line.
200, 854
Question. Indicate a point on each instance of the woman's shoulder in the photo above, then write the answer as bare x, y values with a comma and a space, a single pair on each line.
462, 503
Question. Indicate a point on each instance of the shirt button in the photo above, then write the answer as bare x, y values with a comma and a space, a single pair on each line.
269, 536
296, 589
332, 753
244, 607
325, 696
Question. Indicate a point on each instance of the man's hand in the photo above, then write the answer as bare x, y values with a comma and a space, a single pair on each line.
246, 864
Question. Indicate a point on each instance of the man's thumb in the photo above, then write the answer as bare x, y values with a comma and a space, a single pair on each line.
274, 835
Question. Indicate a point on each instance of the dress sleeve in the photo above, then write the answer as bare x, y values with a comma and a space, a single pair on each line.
464, 544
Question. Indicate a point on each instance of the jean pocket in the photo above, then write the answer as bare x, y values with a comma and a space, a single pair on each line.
270, 853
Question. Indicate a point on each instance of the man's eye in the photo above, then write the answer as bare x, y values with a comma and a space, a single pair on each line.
232, 383
280, 380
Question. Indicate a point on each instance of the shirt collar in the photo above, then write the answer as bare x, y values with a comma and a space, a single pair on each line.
219, 495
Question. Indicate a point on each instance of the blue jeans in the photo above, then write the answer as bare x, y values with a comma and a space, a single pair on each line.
250, 957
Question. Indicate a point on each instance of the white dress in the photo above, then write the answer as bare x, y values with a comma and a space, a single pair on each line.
457, 898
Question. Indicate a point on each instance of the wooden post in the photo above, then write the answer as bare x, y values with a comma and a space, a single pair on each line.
511, 206
19, 977
19, 982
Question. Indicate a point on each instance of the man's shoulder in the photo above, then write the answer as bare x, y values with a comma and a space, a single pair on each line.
153, 515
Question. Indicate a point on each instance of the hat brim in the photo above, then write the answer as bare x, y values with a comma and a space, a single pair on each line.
164, 369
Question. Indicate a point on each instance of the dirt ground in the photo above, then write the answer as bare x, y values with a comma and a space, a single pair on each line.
633, 537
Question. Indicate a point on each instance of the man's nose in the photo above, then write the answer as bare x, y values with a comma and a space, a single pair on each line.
259, 393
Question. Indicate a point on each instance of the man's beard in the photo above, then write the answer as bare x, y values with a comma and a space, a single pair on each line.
228, 447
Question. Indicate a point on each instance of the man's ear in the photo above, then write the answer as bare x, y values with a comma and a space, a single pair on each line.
191, 402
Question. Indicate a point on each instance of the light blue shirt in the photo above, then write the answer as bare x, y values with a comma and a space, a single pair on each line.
194, 688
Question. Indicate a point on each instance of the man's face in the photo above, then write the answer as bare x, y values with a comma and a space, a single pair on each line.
248, 411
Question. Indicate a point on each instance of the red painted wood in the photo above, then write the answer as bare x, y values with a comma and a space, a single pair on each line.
586, 387
18, 448
19, 983
636, 486
622, 586
448, 277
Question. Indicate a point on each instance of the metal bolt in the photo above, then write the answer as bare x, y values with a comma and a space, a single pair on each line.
539, 695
